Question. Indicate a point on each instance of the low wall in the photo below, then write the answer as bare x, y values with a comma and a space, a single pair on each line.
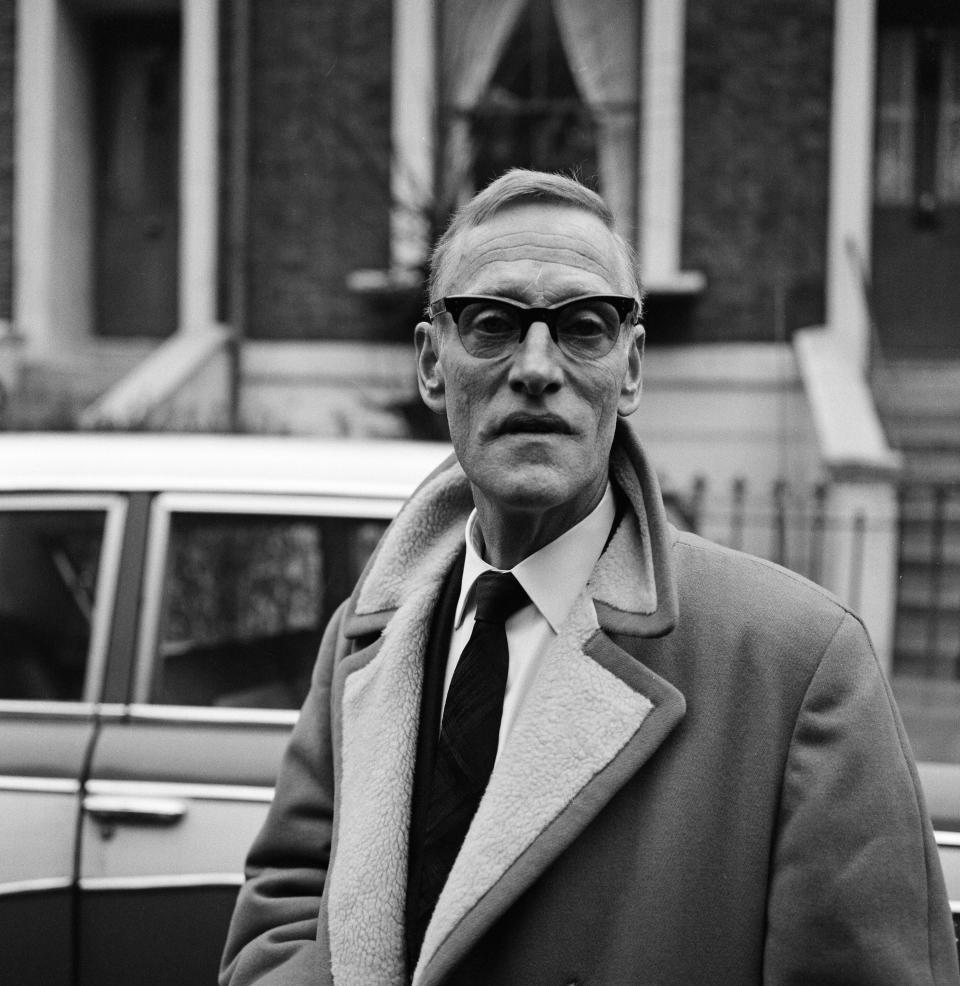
724, 412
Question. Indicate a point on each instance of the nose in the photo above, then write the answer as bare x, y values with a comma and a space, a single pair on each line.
535, 367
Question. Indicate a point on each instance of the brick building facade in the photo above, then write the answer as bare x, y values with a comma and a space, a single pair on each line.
319, 162
756, 159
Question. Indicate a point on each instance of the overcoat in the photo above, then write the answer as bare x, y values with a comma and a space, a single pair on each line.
709, 783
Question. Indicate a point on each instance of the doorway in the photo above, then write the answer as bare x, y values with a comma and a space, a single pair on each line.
137, 138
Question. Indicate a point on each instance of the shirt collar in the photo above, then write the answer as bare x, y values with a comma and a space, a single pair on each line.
553, 576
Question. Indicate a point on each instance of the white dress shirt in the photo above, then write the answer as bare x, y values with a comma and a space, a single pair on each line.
553, 578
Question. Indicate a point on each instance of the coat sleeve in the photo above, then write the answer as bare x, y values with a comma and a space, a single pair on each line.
272, 936
856, 889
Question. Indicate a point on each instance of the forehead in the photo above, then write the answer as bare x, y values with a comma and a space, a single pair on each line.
538, 253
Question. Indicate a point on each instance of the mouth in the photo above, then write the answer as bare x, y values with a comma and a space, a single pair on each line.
526, 423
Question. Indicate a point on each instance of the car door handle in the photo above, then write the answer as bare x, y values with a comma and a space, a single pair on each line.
110, 809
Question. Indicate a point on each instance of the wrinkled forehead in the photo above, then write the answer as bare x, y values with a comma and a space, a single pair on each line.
538, 253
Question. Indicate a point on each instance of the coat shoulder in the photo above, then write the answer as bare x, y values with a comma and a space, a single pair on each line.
748, 594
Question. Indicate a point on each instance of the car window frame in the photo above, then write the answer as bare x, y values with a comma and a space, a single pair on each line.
115, 507
279, 505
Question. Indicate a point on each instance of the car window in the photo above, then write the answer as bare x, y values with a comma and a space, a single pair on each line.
245, 599
49, 566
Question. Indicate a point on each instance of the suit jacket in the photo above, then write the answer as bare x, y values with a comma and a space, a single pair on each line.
710, 783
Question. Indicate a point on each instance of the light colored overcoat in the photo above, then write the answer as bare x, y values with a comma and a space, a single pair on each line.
709, 784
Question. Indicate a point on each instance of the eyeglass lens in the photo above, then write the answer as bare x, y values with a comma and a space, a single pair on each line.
586, 329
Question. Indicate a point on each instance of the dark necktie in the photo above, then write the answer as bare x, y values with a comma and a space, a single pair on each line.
469, 735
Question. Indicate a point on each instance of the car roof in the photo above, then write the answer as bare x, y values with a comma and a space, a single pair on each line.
91, 461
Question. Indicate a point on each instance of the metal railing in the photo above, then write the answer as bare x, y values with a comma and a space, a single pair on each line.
783, 523
799, 528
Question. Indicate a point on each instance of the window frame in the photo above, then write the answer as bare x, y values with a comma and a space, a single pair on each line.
164, 506
114, 507
659, 198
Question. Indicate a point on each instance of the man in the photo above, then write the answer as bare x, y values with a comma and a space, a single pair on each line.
694, 772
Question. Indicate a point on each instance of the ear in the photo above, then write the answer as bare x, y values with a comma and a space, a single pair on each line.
632, 379
429, 368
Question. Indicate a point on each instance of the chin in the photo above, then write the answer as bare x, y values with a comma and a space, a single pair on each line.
531, 487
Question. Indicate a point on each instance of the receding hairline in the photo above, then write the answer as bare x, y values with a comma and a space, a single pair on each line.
516, 188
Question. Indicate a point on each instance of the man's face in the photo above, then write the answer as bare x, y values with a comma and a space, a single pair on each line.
533, 429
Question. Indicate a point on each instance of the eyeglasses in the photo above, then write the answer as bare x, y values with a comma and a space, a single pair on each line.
583, 328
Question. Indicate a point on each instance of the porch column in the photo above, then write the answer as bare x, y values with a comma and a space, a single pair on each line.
661, 139
861, 539
861, 554
53, 217
198, 166
412, 132
851, 183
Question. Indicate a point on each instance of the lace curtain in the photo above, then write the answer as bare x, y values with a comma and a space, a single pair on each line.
473, 36
601, 41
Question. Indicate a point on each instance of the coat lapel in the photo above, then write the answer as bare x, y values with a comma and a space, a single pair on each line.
379, 704
366, 887
593, 717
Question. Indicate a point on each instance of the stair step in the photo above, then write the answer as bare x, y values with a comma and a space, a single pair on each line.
932, 464
916, 387
919, 405
919, 590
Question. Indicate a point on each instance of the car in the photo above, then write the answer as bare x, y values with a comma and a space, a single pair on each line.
162, 598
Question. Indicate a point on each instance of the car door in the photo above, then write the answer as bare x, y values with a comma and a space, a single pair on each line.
59, 559
236, 594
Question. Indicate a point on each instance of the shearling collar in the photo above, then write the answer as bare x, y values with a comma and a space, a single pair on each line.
593, 717
632, 586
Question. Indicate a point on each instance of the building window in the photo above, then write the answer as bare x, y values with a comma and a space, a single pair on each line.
550, 85
532, 114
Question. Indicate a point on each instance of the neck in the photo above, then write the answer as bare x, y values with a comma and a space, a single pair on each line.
510, 534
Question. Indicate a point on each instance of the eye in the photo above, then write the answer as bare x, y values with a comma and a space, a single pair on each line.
488, 329
491, 321
588, 329
583, 322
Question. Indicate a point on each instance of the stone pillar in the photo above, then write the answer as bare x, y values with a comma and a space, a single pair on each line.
412, 132
851, 181
861, 553
198, 166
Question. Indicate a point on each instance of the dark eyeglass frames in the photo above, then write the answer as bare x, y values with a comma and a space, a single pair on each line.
584, 328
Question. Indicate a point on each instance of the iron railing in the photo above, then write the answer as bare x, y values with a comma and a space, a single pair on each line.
797, 527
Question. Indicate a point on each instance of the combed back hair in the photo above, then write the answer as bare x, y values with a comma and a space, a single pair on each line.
522, 187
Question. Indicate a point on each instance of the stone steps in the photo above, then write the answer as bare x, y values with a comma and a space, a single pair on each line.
919, 404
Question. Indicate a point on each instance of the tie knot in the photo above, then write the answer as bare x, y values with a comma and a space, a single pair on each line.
499, 596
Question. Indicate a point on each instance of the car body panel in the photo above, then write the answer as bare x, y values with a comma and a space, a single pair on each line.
41, 766
171, 806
